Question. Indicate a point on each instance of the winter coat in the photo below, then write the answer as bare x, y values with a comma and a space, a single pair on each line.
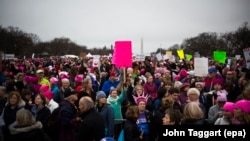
131, 131
92, 126
29, 133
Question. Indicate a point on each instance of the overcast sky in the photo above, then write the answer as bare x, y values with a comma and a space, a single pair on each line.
96, 23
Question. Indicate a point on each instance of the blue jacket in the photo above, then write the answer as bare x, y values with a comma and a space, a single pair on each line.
108, 84
108, 113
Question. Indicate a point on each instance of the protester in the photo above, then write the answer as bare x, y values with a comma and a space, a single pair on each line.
131, 131
92, 126
26, 128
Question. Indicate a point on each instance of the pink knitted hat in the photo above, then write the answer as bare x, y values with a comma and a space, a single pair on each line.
183, 73
79, 78
217, 81
53, 80
229, 106
244, 105
48, 94
177, 77
44, 88
157, 75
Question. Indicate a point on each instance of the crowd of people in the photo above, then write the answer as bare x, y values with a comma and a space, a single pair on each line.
55, 99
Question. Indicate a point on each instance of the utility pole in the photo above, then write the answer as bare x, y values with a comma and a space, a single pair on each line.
141, 46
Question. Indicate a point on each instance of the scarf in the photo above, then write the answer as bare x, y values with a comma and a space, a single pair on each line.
112, 100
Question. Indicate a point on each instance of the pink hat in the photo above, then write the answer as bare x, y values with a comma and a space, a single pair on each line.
79, 78
44, 88
140, 98
218, 81
244, 105
184, 85
48, 94
28, 79
62, 76
200, 83
183, 73
177, 77
229, 106
157, 75
53, 80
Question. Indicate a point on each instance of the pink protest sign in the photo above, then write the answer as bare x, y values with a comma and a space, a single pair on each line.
123, 54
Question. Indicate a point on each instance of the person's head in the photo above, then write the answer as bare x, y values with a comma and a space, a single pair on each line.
2, 90
228, 110
26, 94
150, 79
112, 76
43, 88
192, 111
72, 98
132, 113
193, 94
129, 71
199, 85
242, 107
113, 92
24, 118
20, 76
217, 84
142, 106
184, 87
79, 78
167, 102
53, 81
172, 117
40, 100
246, 92
87, 84
85, 103
137, 81
48, 95
174, 93
14, 98
168, 85
40, 73
139, 89
129, 78
65, 82
101, 97
229, 75
212, 72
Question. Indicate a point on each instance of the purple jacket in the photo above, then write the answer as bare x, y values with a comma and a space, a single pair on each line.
151, 90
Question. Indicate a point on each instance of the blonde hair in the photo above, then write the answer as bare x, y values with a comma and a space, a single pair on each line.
192, 111
24, 118
193, 90
85, 84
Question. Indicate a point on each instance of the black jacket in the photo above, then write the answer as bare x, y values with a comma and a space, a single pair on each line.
92, 126
29, 133
131, 131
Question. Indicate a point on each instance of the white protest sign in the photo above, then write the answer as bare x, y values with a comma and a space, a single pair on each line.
159, 56
139, 57
96, 61
247, 56
201, 66
237, 57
